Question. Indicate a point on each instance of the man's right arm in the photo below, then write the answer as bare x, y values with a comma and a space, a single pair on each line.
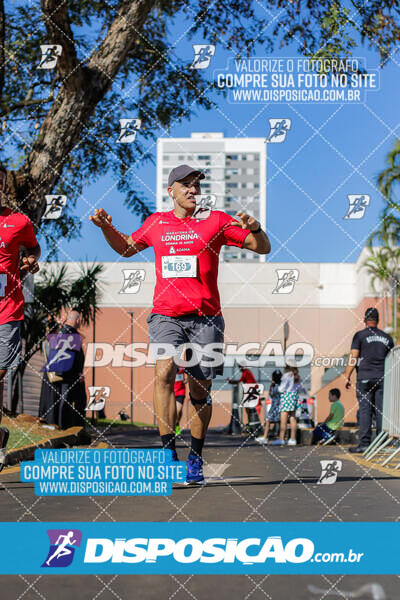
120, 242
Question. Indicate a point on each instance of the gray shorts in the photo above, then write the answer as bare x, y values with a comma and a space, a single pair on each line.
10, 344
189, 329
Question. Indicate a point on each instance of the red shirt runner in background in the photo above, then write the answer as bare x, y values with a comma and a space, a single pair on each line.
187, 259
179, 385
247, 377
16, 230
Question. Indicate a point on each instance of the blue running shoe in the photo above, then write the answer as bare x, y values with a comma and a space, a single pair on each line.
195, 470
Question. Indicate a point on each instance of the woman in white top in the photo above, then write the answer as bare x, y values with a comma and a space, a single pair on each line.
289, 390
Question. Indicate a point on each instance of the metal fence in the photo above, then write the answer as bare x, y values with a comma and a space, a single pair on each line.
381, 449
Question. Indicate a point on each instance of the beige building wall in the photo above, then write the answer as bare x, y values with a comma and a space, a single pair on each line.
324, 309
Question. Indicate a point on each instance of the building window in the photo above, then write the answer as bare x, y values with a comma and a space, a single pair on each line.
232, 185
232, 156
204, 157
256, 185
244, 156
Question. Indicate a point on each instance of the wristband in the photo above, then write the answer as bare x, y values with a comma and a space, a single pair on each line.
257, 230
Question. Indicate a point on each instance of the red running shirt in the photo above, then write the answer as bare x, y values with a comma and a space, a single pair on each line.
247, 377
15, 230
188, 247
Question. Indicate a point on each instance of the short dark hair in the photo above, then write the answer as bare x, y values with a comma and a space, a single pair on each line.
335, 392
371, 314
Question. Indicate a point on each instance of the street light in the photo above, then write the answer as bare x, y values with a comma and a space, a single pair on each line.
131, 313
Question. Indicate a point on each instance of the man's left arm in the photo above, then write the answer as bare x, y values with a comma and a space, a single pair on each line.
257, 240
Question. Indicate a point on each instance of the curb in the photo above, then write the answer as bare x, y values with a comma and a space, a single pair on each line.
78, 436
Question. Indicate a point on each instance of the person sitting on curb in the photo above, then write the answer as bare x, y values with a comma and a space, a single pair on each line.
334, 421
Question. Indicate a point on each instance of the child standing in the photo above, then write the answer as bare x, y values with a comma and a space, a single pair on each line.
289, 390
273, 414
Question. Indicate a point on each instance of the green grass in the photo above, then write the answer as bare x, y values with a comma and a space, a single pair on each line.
25, 433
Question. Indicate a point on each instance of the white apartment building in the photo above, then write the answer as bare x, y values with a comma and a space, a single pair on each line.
235, 170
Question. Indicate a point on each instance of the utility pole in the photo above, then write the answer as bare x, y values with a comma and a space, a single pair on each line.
131, 313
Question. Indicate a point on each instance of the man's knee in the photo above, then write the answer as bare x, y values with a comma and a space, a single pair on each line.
3, 373
165, 372
201, 401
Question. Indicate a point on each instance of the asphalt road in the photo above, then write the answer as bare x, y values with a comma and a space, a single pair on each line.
246, 482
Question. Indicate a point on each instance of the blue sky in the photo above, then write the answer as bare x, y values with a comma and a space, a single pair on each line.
331, 151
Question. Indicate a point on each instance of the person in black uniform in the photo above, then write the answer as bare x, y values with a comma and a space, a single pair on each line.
368, 352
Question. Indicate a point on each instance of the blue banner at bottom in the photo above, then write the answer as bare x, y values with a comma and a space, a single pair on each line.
200, 548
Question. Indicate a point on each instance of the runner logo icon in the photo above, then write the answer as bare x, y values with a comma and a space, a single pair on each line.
202, 55
357, 205
129, 128
330, 471
50, 54
54, 206
132, 280
63, 543
278, 129
286, 281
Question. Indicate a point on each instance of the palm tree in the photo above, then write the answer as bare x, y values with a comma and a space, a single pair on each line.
378, 266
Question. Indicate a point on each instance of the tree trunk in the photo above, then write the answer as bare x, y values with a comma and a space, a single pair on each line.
65, 124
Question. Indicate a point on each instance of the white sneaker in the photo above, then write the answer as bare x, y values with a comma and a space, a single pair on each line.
292, 442
261, 439
278, 442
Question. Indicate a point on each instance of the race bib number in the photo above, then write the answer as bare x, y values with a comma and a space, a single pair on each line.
179, 266
3, 284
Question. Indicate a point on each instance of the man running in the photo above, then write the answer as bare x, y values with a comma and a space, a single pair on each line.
16, 231
186, 304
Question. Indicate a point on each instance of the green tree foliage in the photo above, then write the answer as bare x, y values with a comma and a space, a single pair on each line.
119, 59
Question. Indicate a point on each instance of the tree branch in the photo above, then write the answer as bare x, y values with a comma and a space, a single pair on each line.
59, 32
106, 61
66, 122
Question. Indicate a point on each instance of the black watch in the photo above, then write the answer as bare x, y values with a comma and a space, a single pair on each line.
257, 230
